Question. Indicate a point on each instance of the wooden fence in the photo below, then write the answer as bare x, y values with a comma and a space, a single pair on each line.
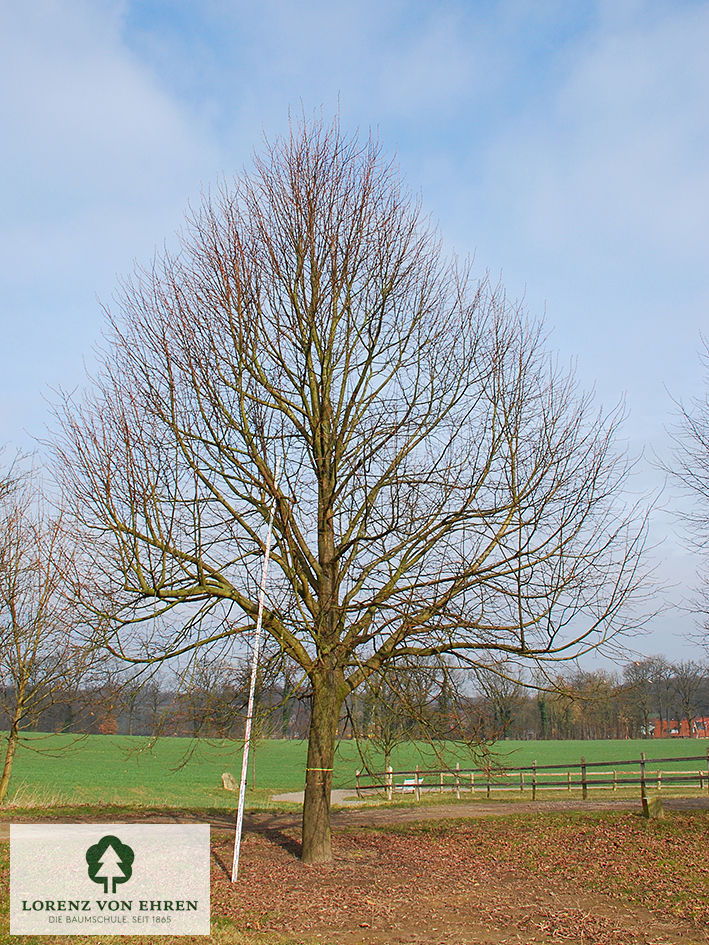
586, 775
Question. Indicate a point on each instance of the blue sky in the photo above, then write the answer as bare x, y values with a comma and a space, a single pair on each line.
565, 146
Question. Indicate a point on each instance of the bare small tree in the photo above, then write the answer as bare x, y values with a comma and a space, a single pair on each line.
40, 656
396, 706
445, 489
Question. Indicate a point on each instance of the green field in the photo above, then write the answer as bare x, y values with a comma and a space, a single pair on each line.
58, 770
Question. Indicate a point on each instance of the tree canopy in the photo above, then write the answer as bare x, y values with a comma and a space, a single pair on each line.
445, 489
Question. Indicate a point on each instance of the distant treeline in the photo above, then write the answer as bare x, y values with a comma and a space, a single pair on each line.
407, 702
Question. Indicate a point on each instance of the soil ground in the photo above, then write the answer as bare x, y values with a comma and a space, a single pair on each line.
410, 876
592, 873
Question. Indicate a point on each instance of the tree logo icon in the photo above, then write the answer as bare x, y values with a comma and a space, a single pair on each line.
110, 862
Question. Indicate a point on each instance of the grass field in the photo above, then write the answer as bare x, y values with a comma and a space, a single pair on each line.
57, 770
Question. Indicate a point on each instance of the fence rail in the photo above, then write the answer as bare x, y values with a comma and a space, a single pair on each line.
586, 775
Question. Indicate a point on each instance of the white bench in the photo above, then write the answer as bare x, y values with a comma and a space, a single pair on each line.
409, 785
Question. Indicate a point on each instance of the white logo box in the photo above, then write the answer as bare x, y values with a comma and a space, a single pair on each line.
139, 879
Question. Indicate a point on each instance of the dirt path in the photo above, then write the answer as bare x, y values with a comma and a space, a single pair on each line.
370, 816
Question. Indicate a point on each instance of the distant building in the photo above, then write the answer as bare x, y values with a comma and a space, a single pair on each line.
661, 728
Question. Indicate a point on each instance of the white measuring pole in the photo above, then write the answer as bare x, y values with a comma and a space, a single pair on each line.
252, 686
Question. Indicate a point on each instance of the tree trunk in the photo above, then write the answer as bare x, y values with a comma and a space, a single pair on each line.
12, 739
328, 696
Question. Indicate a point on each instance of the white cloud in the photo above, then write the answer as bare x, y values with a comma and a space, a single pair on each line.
619, 152
88, 123
97, 166
594, 198
436, 70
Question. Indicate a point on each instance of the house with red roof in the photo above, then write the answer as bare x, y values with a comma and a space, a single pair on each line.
662, 728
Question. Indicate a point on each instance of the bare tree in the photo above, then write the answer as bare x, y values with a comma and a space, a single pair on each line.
399, 704
689, 677
445, 488
40, 656
639, 678
502, 689
663, 688
205, 698
689, 468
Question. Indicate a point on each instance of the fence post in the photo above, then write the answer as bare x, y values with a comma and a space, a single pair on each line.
440, 788
584, 783
472, 782
521, 782
534, 780
568, 781
487, 776
418, 785
643, 789
457, 780
390, 782
708, 770
359, 792
659, 780
615, 780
